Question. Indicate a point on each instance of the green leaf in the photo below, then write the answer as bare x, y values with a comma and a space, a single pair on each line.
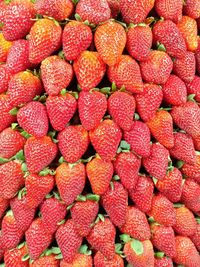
178, 205
159, 254
56, 250
105, 90
124, 145
75, 1
77, 17
155, 180
61, 160
14, 126
136, 116
93, 197
3, 160
101, 217
137, 246
113, 87
179, 164
20, 155
25, 134
13, 111
161, 47
59, 256
24, 167
21, 245
125, 238
61, 222
25, 257
118, 247
116, 178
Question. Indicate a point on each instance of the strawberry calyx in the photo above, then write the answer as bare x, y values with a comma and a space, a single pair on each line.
22, 193
47, 171
21, 245
198, 220
25, 257
161, 47
84, 250
93, 197
19, 156
179, 164
136, 245
178, 205
118, 249
191, 97
123, 147
159, 254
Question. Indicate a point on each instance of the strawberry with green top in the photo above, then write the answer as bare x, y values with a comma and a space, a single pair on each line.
6, 119
46, 260
192, 9
14, 257
101, 261
169, 10
163, 262
192, 171
191, 195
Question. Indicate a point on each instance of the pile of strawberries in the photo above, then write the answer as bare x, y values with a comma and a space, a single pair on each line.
99, 133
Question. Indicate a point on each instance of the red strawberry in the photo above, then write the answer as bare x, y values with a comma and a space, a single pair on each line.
89, 69
93, 11
45, 39
76, 38
127, 166
2, 249
163, 262
91, 106
14, 257
83, 260
105, 139
2, 13
197, 54
191, 195
192, 8
4, 204
99, 173
110, 41
18, 19
4, 47
115, 203
114, 7
149, 101
39, 153
169, 10
102, 238
196, 141
68, 240
4, 78
46, 260
126, 73
6, 119
56, 74
37, 238
195, 238
101, 261
193, 87
136, 224
192, 171
139, 41
70, 180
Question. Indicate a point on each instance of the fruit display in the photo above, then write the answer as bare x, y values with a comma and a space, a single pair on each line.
99, 133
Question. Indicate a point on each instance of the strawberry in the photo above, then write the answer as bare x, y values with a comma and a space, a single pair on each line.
174, 91
79, 259
5, 46
114, 7
45, 39
121, 106
169, 10
68, 240
197, 54
167, 33
135, 11
59, 10
163, 262
39, 153
163, 238
11, 142
193, 87
56, 74
102, 238
162, 210
37, 188
4, 204
188, 29
89, 69
60, 110
2, 249
148, 101
105, 139
4, 78
99, 173
14, 257
93, 11
70, 178
23, 87
46, 260
73, 142
2, 13
192, 8
126, 73
37, 238
142, 194
139, 41
196, 141
11, 179
101, 261
191, 195
76, 38
161, 127
192, 171
195, 237
136, 224
91, 106
127, 166
115, 203
110, 41
139, 139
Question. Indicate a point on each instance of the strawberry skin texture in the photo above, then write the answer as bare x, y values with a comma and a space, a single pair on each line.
89, 69
76, 38
91, 106
14, 257
196, 237
70, 180
126, 73
163, 262
193, 87
5, 76
105, 139
4, 48
114, 7
49, 261
192, 9
115, 203
110, 41
2, 12
191, 195
169, 10
192, 171
56, 74
99, 173
197, 54
79, 259
4, 204
68, 240
39, 153
101, 261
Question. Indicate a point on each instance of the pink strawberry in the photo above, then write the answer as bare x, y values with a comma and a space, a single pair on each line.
163, 262
193, 87
2, 13
14, 256
195, 237
5, 76
192, 9
169, 10
6, 119
114, 7
4, 204
191, 195
192, 171
101, 261
197, 54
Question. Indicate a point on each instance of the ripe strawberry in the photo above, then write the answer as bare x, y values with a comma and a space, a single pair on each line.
4, 78
60, 110
91, 106
115, 203
2, 13
5, 46
114, 7
161, 127
101, 261
23, 87
45, 39
37, 238
110, 41
4, 204
163, 238
136, 224
79, 259
127, 166
37, 188
102, 238
56, 74
46, 260
193, 87
59, 10
169, 10
39, 153
89, 69
196, 141
195, 238
68, 240
14, 257
70, 180
192, 8
191, 195
197, 54
192, 171
99, 173
6, 119
162, 210
105, 139
126, 73
2, 249
76, 38
139, 41
93, 11
163, 262
167, 33
11, 179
